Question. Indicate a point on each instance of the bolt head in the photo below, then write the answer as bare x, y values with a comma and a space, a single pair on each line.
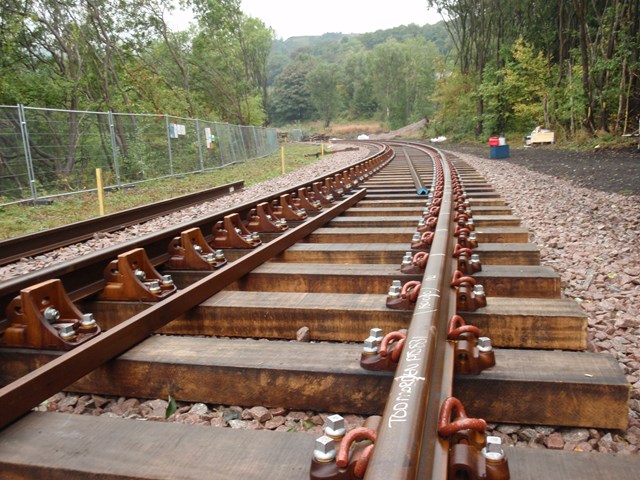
484, 344
167, 281
66, 331
493, 449
325, 449
51, 314
88, 320
140, 274
335, 426
154, 287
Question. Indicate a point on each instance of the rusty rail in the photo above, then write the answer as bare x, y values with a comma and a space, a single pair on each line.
26, 393
16, 248
83, 276
408, 446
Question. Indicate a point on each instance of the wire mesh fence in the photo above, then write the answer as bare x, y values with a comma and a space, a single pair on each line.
48, 152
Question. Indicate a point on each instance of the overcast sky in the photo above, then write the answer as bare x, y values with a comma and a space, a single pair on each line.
290, 18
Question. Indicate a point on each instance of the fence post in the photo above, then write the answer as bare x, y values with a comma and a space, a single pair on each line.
219, 137
166, 116
255, 141
200, 145
114, 147
27, 151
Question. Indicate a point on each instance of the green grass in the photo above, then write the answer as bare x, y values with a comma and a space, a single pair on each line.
18, 220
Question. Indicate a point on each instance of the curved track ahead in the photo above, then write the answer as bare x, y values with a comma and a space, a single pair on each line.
331, 273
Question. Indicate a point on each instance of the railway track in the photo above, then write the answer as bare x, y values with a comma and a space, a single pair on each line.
14, 249
223, 337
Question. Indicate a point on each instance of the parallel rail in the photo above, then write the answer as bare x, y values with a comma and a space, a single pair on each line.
16, 248
407, 446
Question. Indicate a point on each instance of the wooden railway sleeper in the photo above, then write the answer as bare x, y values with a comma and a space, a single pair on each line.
472, 352
44, 317
469, 295
133, 277
382, 354
472, 454
232, 233
262, 219
341, 455
190, 251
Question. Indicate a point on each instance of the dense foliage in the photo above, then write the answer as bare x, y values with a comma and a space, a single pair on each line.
124, 57
491, 66
571, 65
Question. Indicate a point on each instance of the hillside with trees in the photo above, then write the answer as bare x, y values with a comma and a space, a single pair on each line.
489, 67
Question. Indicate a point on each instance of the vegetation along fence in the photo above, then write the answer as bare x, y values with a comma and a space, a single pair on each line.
46, 152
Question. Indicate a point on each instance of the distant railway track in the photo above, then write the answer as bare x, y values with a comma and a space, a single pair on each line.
331, 270
14, 249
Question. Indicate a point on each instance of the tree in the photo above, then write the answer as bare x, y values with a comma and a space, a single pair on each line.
290, 100
323, 93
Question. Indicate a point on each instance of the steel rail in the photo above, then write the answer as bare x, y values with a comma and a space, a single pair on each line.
407, 446
420, 190
29, 391
84, 276
16, 248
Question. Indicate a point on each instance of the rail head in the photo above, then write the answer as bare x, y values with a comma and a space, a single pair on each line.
407, 446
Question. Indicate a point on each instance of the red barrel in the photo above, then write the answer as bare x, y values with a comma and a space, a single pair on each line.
494, 141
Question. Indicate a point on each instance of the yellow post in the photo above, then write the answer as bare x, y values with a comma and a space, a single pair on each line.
282, 159
322, 149
100, 191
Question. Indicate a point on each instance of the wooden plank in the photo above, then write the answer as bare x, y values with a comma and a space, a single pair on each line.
539, 463
59, 446
490, 254
383, 211
531, 323
508, 253
496, 220
498, 280
325, 377
322, 278
483, 195
580, 389
416, 202
277, 315
375, 222
486, 234
526, 281
502, 234
390, 253
474, 202
362, 235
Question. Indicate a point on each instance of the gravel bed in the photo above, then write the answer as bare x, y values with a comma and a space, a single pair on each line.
326, 165
589, 237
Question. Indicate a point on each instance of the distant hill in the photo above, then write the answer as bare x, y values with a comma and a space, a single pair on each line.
333, 47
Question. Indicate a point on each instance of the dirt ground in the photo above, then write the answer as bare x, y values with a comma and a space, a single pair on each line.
613, 171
